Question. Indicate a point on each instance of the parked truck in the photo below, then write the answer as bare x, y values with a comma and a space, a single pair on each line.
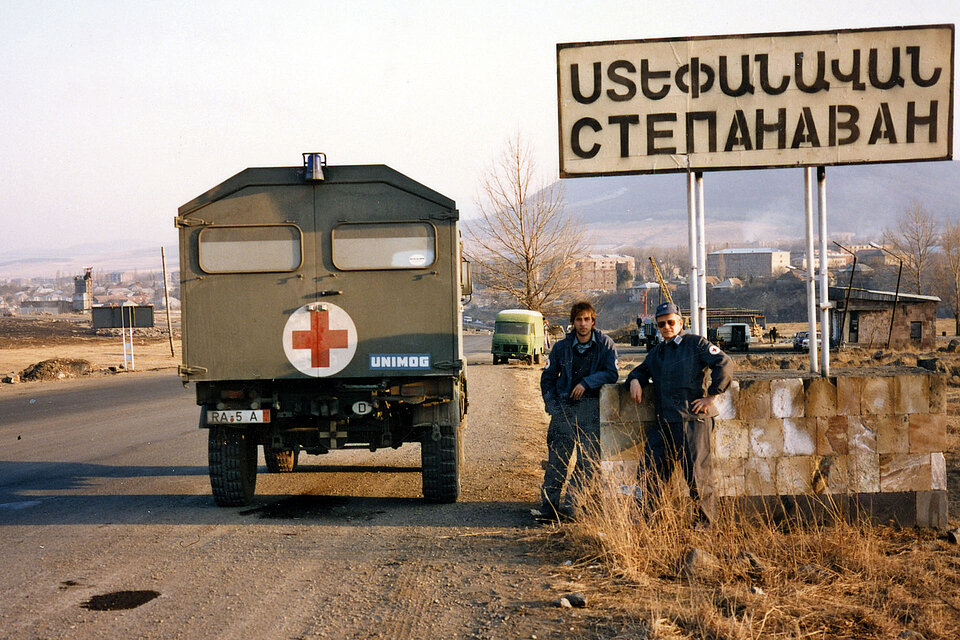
322, 311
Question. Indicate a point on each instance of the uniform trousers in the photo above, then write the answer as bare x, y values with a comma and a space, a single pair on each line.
686, 443
575, 426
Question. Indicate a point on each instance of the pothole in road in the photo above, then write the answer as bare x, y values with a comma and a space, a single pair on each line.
119, 600
299, 507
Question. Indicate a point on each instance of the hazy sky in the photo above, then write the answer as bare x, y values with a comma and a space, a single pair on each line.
116, 113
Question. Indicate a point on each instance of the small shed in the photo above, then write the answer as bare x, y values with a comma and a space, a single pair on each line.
864, 318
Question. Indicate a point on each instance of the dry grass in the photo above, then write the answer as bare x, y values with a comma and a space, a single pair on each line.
771, 578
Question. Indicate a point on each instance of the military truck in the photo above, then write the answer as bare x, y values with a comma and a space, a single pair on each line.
321, 310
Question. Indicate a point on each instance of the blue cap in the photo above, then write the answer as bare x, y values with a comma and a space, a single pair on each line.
667, 308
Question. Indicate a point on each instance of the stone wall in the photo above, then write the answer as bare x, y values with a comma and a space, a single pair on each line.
875, 442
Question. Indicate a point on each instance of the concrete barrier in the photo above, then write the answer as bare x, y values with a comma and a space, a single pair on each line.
872, 442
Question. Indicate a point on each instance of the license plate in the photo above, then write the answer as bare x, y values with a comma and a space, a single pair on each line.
243, 416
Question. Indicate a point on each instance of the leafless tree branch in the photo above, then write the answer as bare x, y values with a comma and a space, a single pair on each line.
524, 242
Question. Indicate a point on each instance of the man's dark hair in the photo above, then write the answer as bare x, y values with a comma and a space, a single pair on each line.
579, 308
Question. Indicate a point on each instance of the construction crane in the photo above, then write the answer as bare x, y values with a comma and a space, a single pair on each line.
663, 285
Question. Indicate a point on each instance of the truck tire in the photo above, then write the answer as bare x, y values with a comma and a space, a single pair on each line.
441, 458
536, 358
232, 456
281, 461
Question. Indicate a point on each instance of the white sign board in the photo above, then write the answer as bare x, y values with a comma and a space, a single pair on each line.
750, 101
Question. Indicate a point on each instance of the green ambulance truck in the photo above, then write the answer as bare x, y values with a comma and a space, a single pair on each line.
518, 335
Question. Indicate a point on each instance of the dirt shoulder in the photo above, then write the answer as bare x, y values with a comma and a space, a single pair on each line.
27, 341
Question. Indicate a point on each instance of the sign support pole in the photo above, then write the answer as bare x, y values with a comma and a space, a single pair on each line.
692, 245
123, 338
811, 282
701, 257
824, 265
166, 298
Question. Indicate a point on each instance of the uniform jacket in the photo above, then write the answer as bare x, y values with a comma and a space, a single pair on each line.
556, 380
678, 371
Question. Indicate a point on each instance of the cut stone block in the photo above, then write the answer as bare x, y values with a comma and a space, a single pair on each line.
754, 402
766, 438
849, 391
913, 394
799, 436
928, 432
864, 475
833, 471
832, 436
938, 393
609, 403
877, 396
794, 475
731, 439
620, 475
904, 472
622, 440
820, 398
899, 509
892, 433
932, 509
938, 472
727, 402
760, 476
786, 398
861, 439
729, 477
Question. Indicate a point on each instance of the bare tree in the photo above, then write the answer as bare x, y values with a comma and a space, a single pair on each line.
524, 241
950, 250
912, 241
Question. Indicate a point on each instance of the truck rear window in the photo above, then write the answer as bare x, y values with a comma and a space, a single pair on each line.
386, 245
250, 248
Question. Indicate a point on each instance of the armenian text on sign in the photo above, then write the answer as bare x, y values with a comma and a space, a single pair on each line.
750, 101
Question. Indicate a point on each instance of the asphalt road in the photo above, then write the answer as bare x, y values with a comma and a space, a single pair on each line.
104, 499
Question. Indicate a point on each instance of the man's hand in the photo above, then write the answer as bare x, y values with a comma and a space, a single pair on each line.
636, 391
702, 405
578, 391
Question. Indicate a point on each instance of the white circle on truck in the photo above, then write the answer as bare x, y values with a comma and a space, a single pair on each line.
320, 339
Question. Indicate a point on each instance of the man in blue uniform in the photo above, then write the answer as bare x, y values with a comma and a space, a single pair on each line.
578, 366
684, 401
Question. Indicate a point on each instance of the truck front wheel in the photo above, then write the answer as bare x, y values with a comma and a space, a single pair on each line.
281, 461
233, 466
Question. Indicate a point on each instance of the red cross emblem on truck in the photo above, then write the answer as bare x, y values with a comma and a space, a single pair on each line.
320, 338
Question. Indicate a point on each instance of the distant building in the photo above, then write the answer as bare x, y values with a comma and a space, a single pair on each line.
835, 259
602, 272
54, 306
729, 283
875, 258
867, 322
83, 291
745, 263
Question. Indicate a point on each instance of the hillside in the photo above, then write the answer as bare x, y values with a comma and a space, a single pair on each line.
759, 206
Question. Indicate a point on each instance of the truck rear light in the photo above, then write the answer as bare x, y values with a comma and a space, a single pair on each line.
230, 394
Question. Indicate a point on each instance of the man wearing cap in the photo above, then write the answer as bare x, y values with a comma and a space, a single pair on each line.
683, 397
578, 366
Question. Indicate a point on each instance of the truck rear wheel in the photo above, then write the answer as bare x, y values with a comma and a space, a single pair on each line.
232, 456
283, 461
441, 457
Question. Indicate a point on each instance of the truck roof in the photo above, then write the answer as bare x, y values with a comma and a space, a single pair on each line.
344, 174
522, 315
